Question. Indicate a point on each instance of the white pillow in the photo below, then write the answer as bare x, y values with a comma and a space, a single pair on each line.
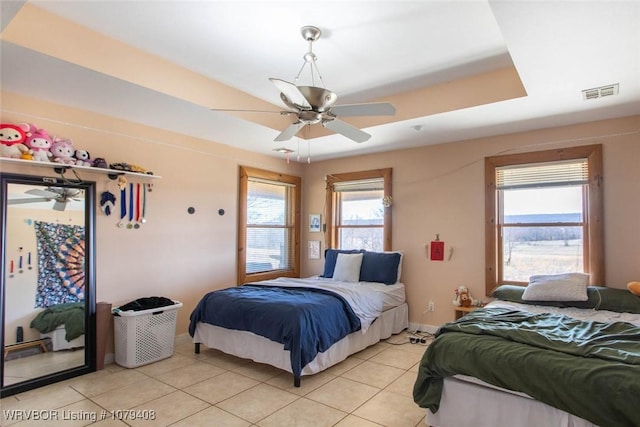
348, 267
557, 287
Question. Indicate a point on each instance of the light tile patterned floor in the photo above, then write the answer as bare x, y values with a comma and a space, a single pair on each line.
370, 388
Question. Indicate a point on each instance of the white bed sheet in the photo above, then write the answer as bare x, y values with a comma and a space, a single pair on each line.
367, 299
482, 399
248, 345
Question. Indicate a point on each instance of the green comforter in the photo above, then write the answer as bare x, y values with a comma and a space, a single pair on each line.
589, 369
70, 315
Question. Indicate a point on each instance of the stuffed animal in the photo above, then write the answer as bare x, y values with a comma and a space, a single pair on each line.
100, 162
12, 139
463, 298
39, 143
83, 158
634, 288
62, 151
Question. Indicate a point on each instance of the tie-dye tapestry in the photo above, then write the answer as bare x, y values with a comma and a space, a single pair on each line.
60, 263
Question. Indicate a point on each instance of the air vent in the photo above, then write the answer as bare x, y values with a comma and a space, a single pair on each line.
600, 92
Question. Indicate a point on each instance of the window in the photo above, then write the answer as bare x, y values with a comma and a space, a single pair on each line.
269, 225
358, 219
544, 215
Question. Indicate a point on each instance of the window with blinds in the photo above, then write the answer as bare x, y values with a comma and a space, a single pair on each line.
270, 224
359, 219
540, 218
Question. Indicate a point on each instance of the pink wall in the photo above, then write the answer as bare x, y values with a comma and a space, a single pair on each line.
437, 190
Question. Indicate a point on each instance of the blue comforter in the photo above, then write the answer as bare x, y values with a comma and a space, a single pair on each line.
306, 320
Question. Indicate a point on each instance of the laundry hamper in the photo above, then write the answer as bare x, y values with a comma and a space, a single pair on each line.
144, 336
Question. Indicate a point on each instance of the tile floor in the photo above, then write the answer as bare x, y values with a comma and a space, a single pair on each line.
370, 388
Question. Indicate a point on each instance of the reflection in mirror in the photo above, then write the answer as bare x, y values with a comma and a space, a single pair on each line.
48, 302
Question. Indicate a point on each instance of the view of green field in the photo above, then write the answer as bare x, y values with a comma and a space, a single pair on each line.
542, 257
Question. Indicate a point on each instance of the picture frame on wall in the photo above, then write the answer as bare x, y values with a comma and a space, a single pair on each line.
314, 223
314, 249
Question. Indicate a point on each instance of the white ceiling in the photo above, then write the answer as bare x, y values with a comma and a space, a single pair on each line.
368, 50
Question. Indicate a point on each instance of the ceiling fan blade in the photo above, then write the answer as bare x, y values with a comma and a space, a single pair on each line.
347, 130
288, 133
30, 200
59, 205
371, 109
42, 193
292, 94
244, 111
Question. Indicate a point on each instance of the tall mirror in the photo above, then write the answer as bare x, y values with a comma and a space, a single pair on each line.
48, 285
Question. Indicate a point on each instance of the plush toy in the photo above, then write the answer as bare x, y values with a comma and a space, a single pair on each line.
83, 158
100, 162
12, 139
634, 288
39, 143
62, 151
463, 298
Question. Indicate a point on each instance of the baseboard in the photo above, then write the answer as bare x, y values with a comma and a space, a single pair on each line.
419, 327
109, 358
183, 339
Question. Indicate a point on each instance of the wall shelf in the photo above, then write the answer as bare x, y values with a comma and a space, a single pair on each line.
61, 168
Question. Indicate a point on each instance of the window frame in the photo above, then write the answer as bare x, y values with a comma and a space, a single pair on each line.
593, 236
331, 232
246, 173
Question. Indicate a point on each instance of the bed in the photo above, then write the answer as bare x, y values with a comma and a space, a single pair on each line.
306, 325
533, 363
63, 324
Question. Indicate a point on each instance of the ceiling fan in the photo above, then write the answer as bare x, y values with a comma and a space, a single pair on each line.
312, 104
59, 195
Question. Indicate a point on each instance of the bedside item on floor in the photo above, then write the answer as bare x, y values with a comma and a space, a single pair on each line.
145, 330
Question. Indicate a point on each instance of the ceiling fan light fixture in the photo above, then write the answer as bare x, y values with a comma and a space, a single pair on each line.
309, 117
283, 150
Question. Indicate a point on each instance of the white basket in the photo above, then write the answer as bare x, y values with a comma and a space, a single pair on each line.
144, 336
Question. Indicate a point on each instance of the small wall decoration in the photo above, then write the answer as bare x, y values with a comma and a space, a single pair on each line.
437, 249
314, 223
314, 249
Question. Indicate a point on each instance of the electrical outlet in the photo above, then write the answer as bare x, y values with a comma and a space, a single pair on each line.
432, 306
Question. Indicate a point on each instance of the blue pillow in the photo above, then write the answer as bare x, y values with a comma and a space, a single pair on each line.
380, 267
330, 258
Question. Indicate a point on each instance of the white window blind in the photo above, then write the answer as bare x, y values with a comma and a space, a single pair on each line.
562, 173
269, 226
360, 185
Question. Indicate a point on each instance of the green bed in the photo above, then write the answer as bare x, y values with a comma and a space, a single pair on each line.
588, 369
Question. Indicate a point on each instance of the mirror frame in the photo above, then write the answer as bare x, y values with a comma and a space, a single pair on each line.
90, 313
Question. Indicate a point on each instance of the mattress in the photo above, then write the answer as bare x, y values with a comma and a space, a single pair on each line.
59, 342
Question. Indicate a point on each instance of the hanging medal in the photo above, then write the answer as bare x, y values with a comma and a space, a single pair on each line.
130, 225
137, 224
123, 206
144, 203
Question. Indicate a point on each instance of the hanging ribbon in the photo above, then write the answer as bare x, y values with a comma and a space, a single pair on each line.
130, 225
144, 203
123, 206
